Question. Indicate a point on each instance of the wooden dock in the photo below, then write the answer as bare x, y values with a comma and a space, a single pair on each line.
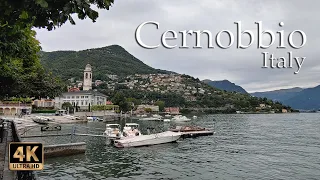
189, 134
92, 135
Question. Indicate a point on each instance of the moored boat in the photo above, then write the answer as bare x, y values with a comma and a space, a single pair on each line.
181, 118
166, 120
147, 140
113, 131
131, 130
151, 119
40, 120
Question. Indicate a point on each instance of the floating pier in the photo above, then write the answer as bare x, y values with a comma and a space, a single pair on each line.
189, 134
59, 150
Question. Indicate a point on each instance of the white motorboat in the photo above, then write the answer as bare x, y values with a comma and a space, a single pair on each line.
70, 117
151, 119
90, 119
144, 115
194, 117
113, 131
181, 118
147, 140
40, 120
167, 115
131, 130
166, 120
156, 116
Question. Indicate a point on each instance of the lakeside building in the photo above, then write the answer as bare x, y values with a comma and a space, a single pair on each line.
141, 108
172, 110
44, 103
14, 108
83, 99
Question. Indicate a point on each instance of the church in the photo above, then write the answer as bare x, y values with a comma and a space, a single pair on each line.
85, 98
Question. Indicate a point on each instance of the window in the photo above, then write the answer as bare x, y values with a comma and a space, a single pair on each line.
86, 75
72, 97
68, 97
82, 97
87, 96
77, 97
86, 102
90, 75
81, 103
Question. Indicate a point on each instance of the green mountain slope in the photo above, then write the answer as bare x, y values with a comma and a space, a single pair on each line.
106, 60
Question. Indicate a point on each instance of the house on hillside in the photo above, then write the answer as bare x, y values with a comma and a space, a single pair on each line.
43, 103
141, 109
172, 110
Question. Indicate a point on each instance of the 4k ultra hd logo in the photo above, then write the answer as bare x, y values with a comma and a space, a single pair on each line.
26, 156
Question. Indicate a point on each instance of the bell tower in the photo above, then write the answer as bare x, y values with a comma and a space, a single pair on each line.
87, 78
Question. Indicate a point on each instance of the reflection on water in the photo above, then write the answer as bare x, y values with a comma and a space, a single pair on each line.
274, 146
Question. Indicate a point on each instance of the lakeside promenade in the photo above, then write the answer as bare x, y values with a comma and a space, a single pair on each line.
6, 138
8, 133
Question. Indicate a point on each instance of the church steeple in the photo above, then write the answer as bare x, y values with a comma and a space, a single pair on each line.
87, 78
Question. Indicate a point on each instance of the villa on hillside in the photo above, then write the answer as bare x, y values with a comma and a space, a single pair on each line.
141, 109
43, 103
172, 110
82, 99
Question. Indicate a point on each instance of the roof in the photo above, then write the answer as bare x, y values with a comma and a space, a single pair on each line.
112, 124
130, 124
89, 92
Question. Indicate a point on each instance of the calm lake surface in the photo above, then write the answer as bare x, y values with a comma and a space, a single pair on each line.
271, 146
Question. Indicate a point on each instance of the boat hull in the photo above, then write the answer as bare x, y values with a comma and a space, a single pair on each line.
148, 140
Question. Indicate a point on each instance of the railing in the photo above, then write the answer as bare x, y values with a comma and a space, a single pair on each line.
21, 175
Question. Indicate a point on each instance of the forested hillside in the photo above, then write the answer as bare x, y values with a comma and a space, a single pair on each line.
106, 60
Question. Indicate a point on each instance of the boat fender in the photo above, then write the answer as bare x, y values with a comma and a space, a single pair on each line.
125, 134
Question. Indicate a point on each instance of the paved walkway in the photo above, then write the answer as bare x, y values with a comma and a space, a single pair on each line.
5, 173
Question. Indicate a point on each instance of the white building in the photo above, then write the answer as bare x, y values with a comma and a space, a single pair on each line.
81, 99
87, 78
85, 98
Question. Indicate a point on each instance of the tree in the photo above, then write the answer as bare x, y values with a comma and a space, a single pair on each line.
21, 73
49, 13
67, 106
148, 110
120, 100
161, 105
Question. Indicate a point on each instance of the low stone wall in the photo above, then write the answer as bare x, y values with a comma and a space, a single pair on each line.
64, 149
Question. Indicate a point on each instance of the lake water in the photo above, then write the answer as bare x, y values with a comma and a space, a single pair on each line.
270, 146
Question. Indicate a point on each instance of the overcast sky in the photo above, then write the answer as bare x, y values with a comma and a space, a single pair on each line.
241, 66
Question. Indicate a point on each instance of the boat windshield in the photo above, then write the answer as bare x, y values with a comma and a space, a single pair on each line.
113, 126
132, 126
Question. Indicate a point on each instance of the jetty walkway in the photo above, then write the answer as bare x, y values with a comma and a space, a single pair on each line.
9, 134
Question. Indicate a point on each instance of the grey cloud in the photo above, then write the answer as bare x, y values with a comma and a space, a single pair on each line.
242, 67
